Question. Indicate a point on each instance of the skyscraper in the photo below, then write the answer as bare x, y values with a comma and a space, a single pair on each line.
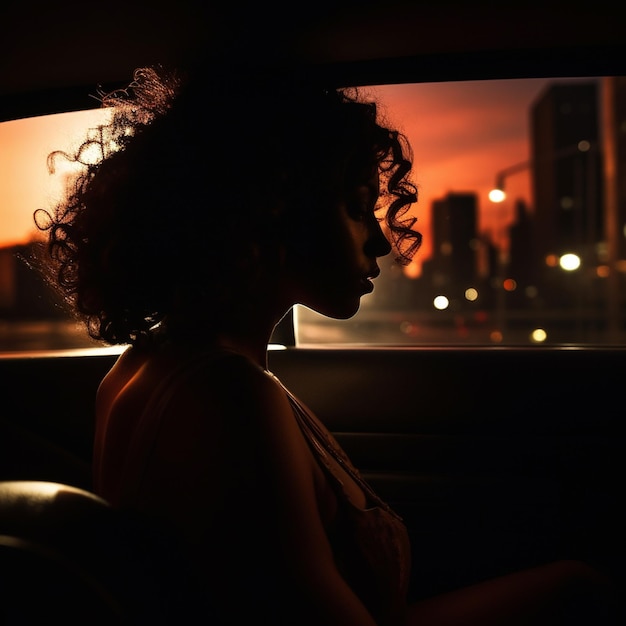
455, 239
567, 170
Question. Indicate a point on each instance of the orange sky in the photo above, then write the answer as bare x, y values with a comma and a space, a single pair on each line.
25, 184
462, 134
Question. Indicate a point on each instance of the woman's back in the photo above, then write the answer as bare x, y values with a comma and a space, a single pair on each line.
166, 420
210, 444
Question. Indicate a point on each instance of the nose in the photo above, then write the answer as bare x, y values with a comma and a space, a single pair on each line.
377, 244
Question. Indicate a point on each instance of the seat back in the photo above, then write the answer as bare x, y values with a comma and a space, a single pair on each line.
67, 555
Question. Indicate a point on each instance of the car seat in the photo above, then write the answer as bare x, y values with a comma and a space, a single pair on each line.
66, 555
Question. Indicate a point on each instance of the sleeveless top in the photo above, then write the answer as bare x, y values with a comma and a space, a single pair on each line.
371, 545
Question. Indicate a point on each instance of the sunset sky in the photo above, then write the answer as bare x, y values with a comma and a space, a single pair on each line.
462, 134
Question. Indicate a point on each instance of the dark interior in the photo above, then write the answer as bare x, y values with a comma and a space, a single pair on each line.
528, 469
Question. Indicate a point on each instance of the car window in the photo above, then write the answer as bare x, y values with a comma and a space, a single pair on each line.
543, 263
32, 318
522, 208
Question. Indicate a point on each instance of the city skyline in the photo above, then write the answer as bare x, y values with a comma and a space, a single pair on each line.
460, 148
461, 133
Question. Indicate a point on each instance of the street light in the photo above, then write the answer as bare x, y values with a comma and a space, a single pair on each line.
498, 194
585, 234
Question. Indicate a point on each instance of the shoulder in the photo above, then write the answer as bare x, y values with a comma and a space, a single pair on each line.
220, 399
231, 406
230, 382
229, 430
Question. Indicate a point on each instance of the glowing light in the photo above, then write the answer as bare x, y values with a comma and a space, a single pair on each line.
92, 154
539, 335
441, 303
509, 284
471, 294
409, 328
569, 262
497, 195
412, 270
496, 336
552, 260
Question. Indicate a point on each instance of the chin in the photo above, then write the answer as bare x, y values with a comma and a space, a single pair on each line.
343, 311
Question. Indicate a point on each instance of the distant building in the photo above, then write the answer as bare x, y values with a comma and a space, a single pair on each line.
567, 169
454, 258
453, 266
23, 292
7, 279
522, 264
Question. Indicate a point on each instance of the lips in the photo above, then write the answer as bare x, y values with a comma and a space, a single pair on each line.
367, 285
366, 281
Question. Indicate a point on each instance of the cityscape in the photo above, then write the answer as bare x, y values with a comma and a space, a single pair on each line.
555, 274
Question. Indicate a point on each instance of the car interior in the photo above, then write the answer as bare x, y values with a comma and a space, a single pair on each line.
496, 456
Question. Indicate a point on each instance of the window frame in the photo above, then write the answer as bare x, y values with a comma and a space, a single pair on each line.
462, 65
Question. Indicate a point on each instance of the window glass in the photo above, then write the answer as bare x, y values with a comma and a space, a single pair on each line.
542, 262
544, 265
32, 318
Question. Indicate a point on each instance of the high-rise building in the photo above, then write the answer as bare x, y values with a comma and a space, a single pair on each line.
454, 260
567, 170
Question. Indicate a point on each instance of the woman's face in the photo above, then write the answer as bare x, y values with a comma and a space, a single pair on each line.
337, 265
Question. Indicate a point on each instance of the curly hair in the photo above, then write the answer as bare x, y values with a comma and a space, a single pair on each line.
189, 179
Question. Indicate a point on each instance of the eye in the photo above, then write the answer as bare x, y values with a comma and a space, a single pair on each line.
362, 204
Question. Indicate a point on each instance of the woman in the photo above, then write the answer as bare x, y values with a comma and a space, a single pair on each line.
209, 217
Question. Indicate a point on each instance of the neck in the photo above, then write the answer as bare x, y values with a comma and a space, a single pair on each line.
251, 338
248, 335
254, 350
